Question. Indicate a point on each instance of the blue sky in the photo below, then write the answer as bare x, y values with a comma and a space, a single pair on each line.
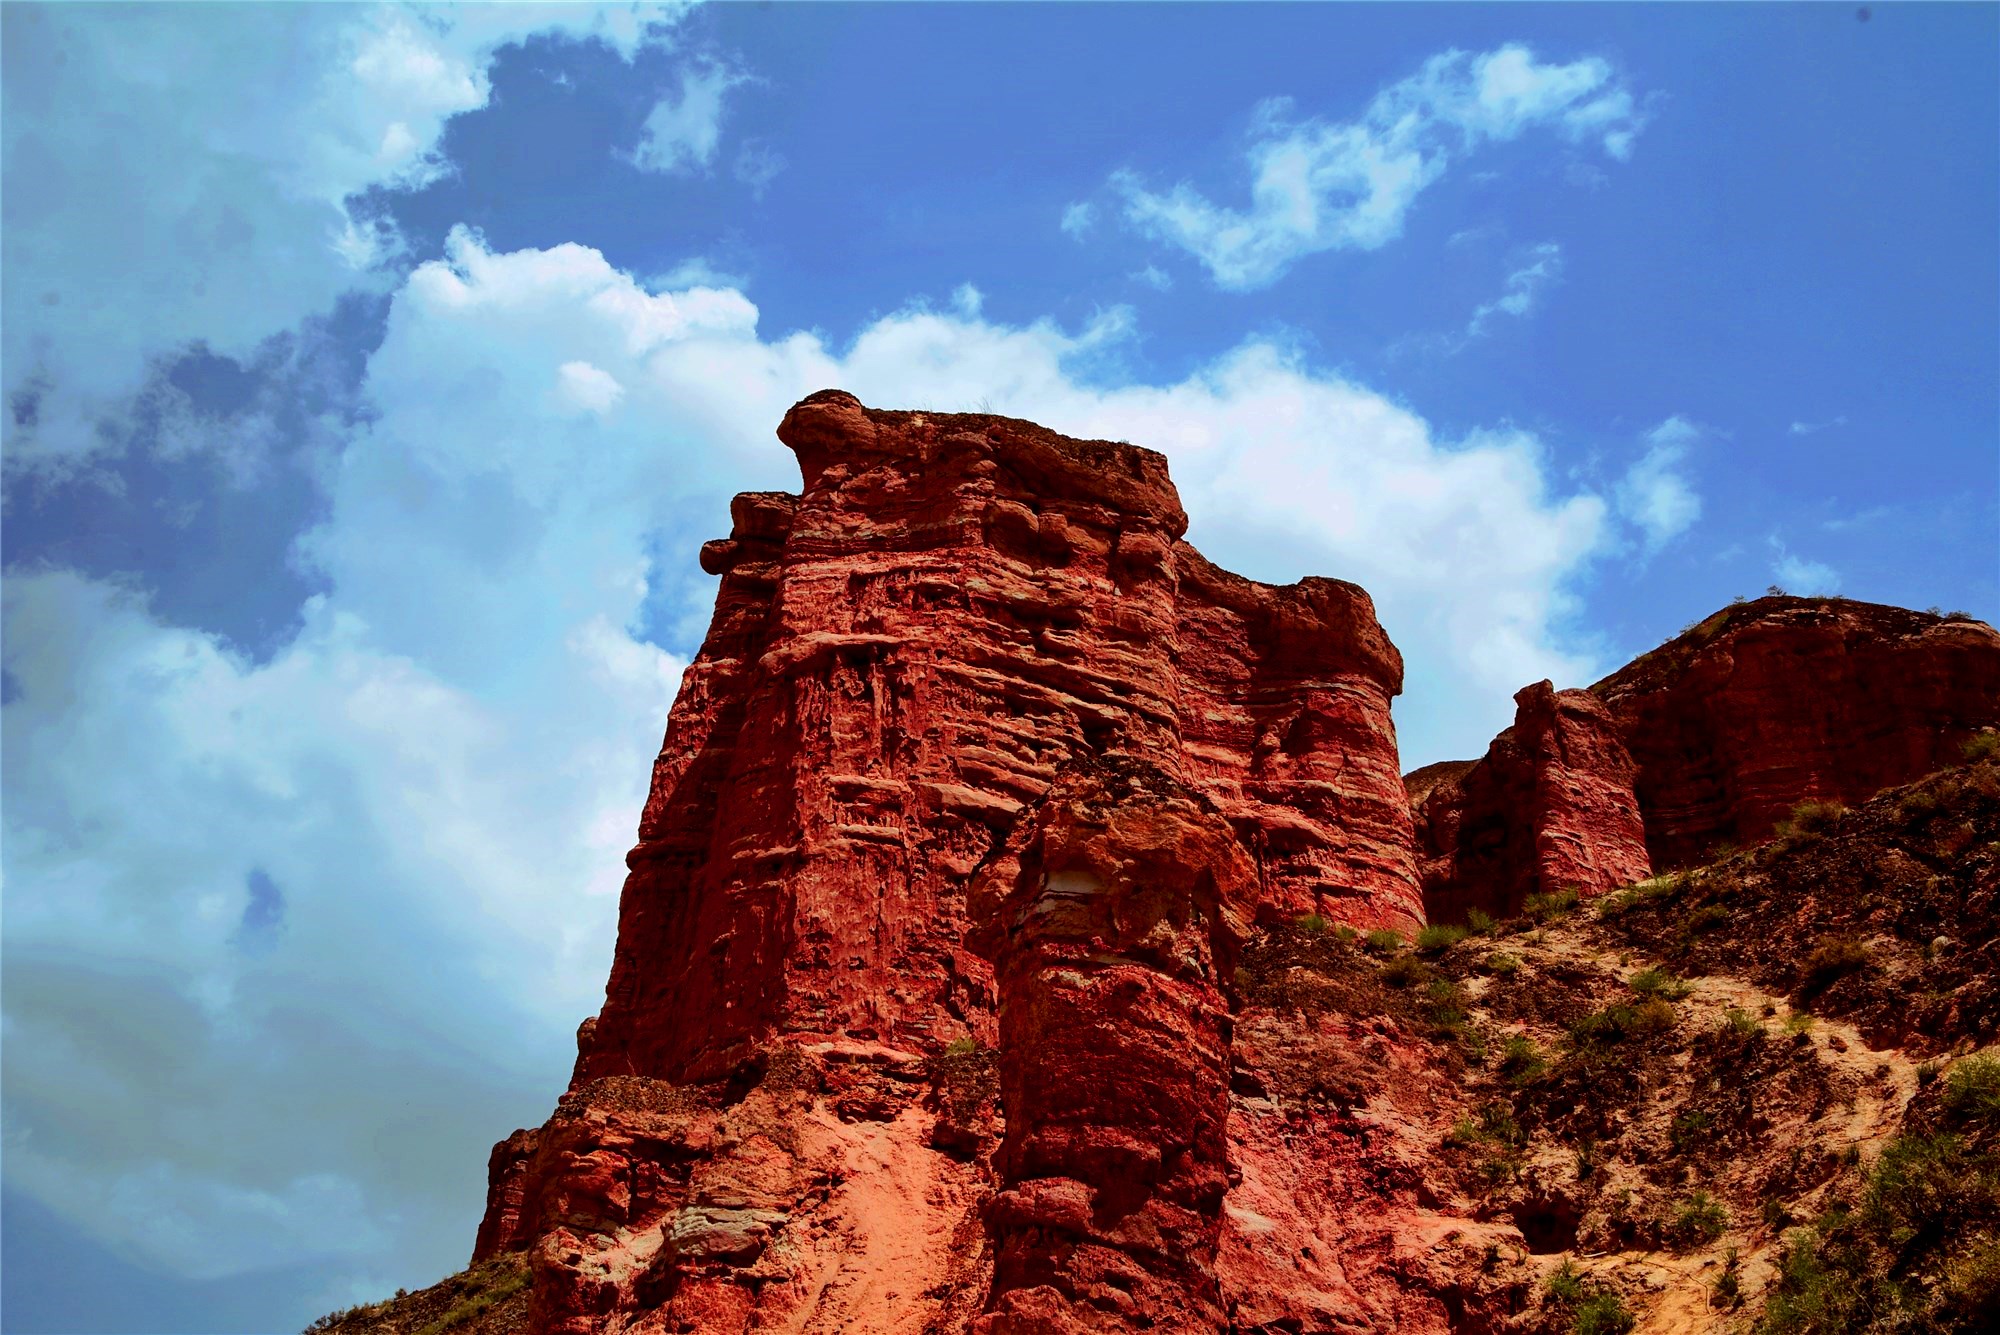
373, 378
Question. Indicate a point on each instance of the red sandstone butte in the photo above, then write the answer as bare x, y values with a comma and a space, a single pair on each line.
1722, 731
789, 1112
1550, 805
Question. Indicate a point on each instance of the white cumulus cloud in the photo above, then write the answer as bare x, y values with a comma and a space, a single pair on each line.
1656, 495
1320, 185
186, 173
288, 942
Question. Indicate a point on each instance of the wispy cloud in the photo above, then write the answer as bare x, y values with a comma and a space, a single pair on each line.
1318, 185
1155, 277
1655, 495
1079, 218
1797, 574
1540, 267
1813, 428
681, 133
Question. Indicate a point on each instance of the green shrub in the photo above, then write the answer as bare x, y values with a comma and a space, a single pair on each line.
1798, 1022
1601, 1314
1384, 941
1502, 965
1565, 1285
1689, 1130
1312, 924
1814, 816
1704, 919
1520, 1060
1699, 1220
1741, 1024
961, 1047
1620, 1021
1831, 958
1440, 937
1554, 904
1346, 935
1658, 983
1480, 923
1972, 1091
1980, 746
1728, 1291
1404, 970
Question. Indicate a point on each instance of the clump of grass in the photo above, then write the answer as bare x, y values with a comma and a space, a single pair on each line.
1404, 971
1602, 1314
1741, 1024
1658, 983
1481, 924
1384, 941
1440, 937
1799, 1022
1728, 1290
1918, 806
1704, 919
1312, 924
1814, 816
1696, 1222
1980, 746
1553, 904
1831, 958
1346, 935
961, 1047
1621, 1021
1520, 1060
478, 1303
1972, 1091
1689, 1130
1565, 1284
1502, 965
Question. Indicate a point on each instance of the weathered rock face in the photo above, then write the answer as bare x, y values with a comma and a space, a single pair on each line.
901, 657
788, 1112
1712, 738
1773, 702
1114, 917
1551, 805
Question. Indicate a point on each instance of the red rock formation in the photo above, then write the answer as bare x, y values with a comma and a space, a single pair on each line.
904, 654
783, 1113
1772, 702
1113, 916
1714, 737
1550, 806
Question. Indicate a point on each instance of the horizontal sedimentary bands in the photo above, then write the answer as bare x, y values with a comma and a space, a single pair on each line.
934, 1005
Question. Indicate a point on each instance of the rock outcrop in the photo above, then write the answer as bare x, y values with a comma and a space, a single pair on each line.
1114, 916
1710, 740
992, 958
786, 1107
1550, 806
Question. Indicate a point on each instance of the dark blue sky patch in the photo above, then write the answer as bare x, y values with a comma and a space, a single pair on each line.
207, 532
263, 915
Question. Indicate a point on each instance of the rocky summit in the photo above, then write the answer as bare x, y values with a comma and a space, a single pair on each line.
1030, 931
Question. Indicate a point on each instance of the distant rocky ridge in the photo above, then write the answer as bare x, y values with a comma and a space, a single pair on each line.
1018, 936
1707, 742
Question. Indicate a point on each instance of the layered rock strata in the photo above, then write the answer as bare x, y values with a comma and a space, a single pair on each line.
1114, 917
1551, 805
1712, 739
790, 1110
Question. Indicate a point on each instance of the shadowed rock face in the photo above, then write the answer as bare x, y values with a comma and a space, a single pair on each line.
905, 654
1551, 805
1114, 917
1710, 739
789, 1109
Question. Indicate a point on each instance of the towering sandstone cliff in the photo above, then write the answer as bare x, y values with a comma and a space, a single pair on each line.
1708, 741
991, 957
947, 636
